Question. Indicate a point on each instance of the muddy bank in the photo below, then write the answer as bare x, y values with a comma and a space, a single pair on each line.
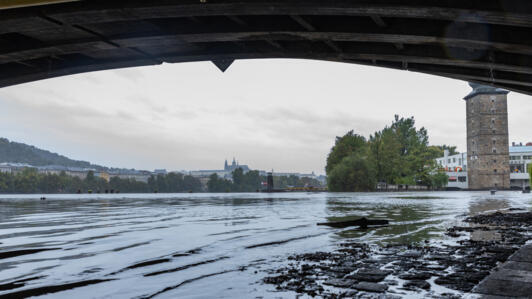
447, 269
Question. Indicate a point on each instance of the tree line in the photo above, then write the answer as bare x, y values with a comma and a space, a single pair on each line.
530, 174
398, 154
30, 181
251, 181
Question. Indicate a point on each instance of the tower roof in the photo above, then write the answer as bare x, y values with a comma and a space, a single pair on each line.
483, 89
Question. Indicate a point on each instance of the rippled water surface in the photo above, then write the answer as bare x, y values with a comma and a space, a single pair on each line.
201, 245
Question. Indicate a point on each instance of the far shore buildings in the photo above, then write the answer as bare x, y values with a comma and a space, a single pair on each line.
142, 175
229, 168
520, 156
223, 173
132, 174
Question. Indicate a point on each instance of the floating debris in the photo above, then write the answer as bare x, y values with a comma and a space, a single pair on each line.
362, 222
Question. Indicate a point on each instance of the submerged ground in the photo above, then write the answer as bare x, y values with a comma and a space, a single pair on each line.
229, 245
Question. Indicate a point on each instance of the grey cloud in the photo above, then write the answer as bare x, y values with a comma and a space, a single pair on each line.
190, 116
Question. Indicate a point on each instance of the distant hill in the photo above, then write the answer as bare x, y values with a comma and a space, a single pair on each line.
16, 152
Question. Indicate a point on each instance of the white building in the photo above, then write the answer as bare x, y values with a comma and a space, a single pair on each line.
205, 173
5, 168
160, 171
520, 157
132, 174
456, 169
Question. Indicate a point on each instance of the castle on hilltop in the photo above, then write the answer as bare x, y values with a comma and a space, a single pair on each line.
234, 165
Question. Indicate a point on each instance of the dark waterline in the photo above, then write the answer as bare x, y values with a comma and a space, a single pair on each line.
202, 245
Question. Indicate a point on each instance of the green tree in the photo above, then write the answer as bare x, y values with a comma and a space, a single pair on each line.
414, 145
26, 181
175, 182
30, 181
6, 182
530, 174
354, 173
160, 182
217, 184
50, 183
344, 146
238, 180
385, 151
191, 184
398, 154
439, 180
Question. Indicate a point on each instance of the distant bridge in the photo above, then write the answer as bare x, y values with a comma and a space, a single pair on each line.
484, 41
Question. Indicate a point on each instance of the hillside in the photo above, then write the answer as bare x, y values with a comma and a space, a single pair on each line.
15, 152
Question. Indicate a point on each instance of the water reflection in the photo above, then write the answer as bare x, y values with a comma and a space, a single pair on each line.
414, 218
209, 245
484, 204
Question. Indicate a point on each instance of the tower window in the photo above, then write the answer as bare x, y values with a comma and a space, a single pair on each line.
494, 151
494, 170
494, 142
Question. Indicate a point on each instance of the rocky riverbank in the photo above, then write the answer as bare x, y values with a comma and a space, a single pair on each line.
444, 269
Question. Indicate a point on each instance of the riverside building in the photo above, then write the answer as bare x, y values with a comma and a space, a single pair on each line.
519, 157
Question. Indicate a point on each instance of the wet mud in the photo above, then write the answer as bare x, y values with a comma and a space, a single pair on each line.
448, 270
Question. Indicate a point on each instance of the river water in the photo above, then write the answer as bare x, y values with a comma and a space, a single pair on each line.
202, 245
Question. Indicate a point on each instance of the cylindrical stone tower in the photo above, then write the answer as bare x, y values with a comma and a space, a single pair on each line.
488, 164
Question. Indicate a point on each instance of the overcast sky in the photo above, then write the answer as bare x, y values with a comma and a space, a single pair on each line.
270, 114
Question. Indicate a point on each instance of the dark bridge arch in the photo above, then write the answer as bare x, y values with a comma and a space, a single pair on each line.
484, 41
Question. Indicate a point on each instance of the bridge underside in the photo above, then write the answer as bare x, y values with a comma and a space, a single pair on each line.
488, 42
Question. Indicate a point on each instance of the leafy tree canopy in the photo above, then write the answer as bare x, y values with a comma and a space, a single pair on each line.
355, 173
344, 146
530, 173
398, 154
441, 148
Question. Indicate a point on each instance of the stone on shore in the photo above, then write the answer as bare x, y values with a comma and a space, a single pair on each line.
370, 275
340, 283
421, 284
370, 287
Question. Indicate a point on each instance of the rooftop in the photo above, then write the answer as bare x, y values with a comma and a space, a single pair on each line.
521, 149
513, 150
484, 89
